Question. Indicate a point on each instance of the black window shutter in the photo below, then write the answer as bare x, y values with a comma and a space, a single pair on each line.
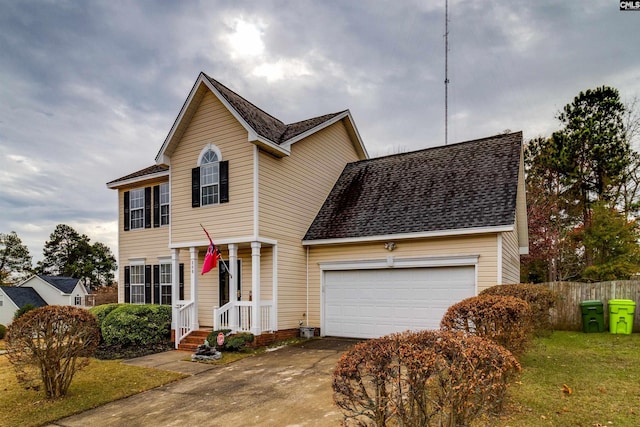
126, 211
127, 284
224, 181
195, 187
147, 284
156, 284
147, 207
156, 206
181, 281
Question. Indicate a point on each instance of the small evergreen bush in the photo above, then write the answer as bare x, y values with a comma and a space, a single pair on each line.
503, 319
236, 342
22, 310
3, 331
540, 298
132, 324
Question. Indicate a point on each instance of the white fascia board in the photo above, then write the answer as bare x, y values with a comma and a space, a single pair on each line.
407, 236
268, 145
137, 179
414, 262
222, 242
346, 114
160, 157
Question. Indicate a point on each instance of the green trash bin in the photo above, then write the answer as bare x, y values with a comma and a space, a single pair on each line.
621, 316
592, 316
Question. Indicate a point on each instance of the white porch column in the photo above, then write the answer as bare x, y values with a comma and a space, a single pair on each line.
175, 290
233, 284
255, 288
193, 252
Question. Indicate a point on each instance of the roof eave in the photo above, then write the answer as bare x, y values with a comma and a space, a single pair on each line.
408, 236
127, 182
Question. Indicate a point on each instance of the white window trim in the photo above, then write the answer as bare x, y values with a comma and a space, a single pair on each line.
137, 263
203, 152
167, 204
206, 148
131, 209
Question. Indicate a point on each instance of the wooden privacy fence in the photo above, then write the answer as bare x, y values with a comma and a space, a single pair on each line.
568, 316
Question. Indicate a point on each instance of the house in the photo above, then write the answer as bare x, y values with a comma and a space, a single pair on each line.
39, 290
311, 230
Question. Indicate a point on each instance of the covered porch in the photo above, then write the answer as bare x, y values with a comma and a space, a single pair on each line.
240, 294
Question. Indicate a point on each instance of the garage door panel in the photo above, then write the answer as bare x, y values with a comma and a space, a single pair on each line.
372, 303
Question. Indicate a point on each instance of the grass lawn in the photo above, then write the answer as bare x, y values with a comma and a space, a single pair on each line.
101, 382
602, 371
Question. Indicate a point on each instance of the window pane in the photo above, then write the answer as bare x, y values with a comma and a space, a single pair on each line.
209, 157
136, 207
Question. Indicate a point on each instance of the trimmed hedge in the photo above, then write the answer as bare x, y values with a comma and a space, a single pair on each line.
503, 319
540, 298
3, 331
102, 311
427, 378
132, 324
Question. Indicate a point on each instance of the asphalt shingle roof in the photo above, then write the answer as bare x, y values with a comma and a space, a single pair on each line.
263, 123
142, 172
466, 185
64, 284
22, 296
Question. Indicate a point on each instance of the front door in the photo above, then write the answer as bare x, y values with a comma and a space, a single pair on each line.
225, 282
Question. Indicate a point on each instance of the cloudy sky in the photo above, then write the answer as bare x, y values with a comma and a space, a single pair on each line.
90, 89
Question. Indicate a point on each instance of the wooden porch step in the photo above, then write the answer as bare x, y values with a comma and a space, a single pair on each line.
193, 340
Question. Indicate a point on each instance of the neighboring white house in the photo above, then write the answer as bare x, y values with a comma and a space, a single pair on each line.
40, 291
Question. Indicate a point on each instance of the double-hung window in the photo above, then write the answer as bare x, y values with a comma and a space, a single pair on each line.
137, 284
165, 284
136, 206
164, 203
210, 178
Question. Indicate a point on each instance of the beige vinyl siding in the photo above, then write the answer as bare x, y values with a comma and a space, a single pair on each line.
212, 123
146, 243
510, 257
485, 246
291, 192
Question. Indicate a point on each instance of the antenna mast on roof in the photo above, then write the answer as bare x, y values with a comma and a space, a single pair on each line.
446, 72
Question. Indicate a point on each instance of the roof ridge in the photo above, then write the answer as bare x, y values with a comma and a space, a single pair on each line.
211, 79
436, 147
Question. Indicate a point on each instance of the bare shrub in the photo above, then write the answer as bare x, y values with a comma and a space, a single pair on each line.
48, 345
428, 378
540, 298
503, 319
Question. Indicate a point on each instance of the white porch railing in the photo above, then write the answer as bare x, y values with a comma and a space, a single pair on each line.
186, 316
223, 319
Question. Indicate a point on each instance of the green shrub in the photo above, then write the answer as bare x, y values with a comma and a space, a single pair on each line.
503, 319
3, 331
22, 310
102, 311
236, 342
428, 378
540, 298
212, 338
137, 325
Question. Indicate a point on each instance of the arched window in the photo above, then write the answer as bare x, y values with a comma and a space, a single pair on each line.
210, 180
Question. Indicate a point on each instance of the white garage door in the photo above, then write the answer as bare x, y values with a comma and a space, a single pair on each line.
372, 303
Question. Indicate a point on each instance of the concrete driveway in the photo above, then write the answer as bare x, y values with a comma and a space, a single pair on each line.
290, 386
